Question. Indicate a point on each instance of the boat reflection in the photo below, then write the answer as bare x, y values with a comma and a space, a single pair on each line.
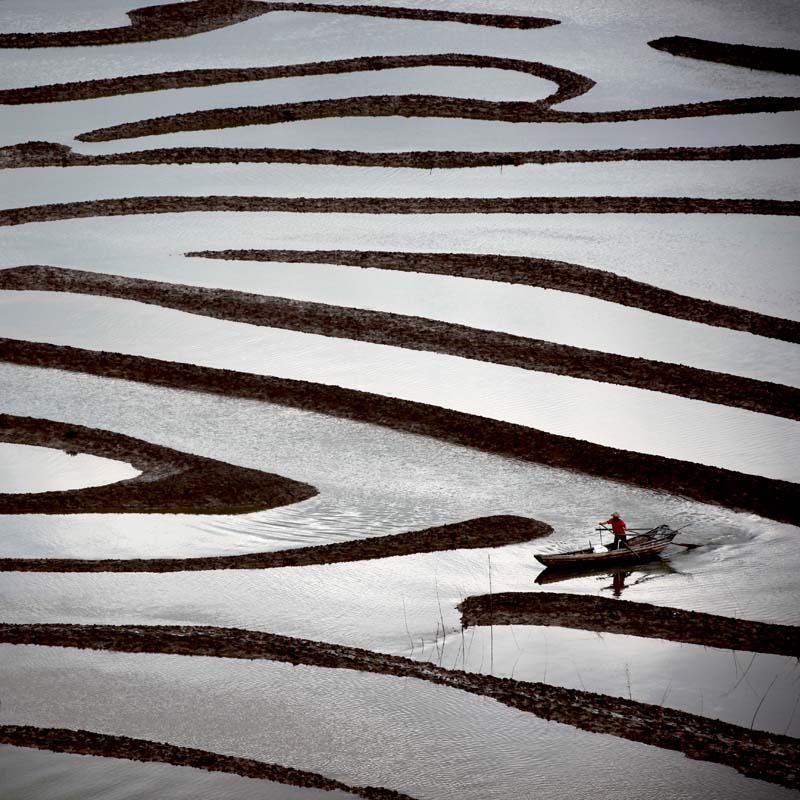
621, 577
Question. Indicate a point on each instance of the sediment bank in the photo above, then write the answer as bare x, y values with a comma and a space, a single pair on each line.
89, 743
53, 154
172, 204
757, 754
176, 20
776, 499
494, 531
544, 272
607, 615
570, 84
171, 481
421, 106
771, 59
422, 334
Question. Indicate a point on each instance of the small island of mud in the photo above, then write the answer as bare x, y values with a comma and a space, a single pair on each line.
54, 154
171, 482
178, 204
176, 20
771, 59
65, 740
606, 615
494, 531
528, 271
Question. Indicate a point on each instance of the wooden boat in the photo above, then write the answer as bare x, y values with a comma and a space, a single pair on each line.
643, 547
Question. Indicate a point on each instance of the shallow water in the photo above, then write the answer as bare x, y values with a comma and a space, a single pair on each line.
747, 261
632, 419
428, 741
588, 40
363, 472
41, 469
359, 728
743, 179
389, 134
42, 775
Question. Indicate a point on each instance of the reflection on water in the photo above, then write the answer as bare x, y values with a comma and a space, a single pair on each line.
634, 577
24, 468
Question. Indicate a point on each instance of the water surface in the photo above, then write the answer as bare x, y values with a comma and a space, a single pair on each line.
24, 468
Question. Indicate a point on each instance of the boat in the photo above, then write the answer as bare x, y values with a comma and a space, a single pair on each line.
642, 547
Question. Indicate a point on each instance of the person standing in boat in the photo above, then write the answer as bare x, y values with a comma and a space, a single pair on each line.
618, 528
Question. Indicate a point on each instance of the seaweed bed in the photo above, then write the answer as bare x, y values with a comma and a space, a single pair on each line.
64, 740
544, 272
173, 204
54, 154
757, 754
494, 531
607, 615
776, 499
417, 333
171, 481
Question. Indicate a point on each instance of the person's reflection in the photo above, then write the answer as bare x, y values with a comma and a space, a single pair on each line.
618, 582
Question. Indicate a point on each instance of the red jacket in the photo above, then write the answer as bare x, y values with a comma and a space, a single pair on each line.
617, 525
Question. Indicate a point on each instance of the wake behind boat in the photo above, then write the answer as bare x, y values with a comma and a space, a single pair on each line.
639, 548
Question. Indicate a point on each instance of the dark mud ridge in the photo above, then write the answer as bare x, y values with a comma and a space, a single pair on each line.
605, 615
171, 481
418, 333
544, 272
53, 154
410, 105
757, 754
495, 531
570, 84
171, 204
89, 743
776, 499
174, 20
772, 59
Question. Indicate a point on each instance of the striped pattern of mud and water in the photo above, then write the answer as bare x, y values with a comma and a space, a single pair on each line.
184, 104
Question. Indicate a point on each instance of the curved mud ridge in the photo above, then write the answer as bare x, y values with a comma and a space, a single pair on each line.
544, 272
89, 743
494, 531
776, 499
607, 615
53, 154
570, 84
171, 481
757, 754
422, 334
410, 105
176, 20
171, 204
771, 59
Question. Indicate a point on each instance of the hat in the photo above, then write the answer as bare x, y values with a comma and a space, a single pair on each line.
615, 514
